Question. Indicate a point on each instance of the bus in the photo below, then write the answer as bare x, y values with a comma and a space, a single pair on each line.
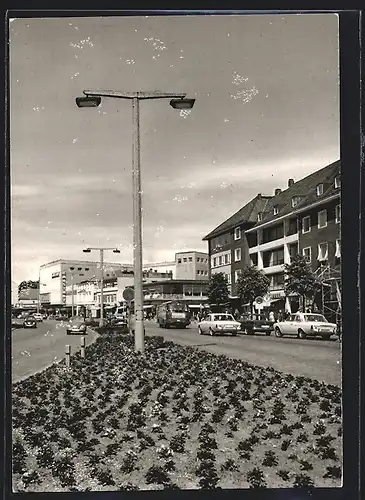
173, 313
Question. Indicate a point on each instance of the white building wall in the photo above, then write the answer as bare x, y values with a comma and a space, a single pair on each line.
161, 267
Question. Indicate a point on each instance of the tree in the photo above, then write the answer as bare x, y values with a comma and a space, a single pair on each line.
26, 285
251, 283
300, 279
218, 289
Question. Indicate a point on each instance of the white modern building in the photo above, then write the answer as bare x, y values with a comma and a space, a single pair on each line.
192, 265
161, 267
55, 276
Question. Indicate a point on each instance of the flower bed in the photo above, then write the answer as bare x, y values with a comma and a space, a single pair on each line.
174, 418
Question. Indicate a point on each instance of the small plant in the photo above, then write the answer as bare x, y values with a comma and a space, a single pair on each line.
333, 472
256, 478
270, 459
303, 481
319, 428
30, 477
156, 475
284, 474
177, 443
229, 465
302, 438
208, 475
286, 430
305, 465
328, 453
306, 419
285, 444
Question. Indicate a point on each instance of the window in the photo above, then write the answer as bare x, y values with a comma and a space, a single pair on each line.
198, 259
220, 260
215, 262
277, 281
179, 261
294, 201
259, 216
322, 218
226, 258
338, 249
79, 268
237, 233
229, 279
322, 251
236, 275
277, 257
190, 259
337, 181
307, 254
198, 272
306, 224
72, 268
276, 210
237, 254
87, 269
319, 189
185, 259
55, 275
338, 214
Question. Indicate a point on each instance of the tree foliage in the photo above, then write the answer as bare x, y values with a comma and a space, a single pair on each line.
218, 289
300, 279
251, 283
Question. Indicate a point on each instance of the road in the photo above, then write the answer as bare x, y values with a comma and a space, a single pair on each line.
314, 358
34, 350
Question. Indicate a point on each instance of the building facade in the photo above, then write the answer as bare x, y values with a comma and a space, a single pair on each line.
161, 267
304, 218
192, 265
55, 277
193, 292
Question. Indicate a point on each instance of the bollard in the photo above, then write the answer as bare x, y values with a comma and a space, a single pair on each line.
82, 340
68, 355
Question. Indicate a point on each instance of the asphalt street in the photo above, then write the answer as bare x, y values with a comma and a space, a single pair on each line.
314, 358
35, 349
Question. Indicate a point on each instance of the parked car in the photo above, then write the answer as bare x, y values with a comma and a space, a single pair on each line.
252, 323
304, 325
38, 317
23, 322
218, 324
61, 317
76, 325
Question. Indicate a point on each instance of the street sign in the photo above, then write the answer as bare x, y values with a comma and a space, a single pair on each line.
128, 294
259, 300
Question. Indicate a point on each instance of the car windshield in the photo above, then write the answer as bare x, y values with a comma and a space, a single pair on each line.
223, 317
178, 308
77, 319
317, 318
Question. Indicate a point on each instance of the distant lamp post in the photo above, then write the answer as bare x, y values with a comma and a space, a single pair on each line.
178, 101
101, 250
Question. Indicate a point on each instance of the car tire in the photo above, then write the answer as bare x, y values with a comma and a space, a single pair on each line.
326, 337
211, 333
234, 334
301, 334
200, 331
267, 334
278, 333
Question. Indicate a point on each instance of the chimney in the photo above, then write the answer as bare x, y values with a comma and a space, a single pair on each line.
277, 191
259, 196
290, 182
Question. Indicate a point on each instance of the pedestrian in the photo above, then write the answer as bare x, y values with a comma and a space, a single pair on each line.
272, 316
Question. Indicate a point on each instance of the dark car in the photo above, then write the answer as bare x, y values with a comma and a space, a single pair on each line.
252, 323
24, 322
76, 326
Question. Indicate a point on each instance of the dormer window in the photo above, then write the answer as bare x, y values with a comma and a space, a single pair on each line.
237, 233
294, 201
259, 216
276, 210
319, 189
337, 181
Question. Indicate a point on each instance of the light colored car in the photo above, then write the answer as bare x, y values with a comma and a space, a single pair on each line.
76, 325
38, 317
304, 325
218, 324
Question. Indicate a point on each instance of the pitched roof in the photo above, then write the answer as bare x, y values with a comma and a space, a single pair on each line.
248, 213
306, 190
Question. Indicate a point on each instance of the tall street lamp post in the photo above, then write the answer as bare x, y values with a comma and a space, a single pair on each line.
178, 101
101, 250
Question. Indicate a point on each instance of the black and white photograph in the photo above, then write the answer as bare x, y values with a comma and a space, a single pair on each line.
176, 286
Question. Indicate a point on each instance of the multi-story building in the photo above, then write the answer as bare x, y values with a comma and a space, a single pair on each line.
161, 267
192, 265
55, 276
193, 292
304, 218
227, 245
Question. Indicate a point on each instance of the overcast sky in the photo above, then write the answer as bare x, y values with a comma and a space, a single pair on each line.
267, 108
